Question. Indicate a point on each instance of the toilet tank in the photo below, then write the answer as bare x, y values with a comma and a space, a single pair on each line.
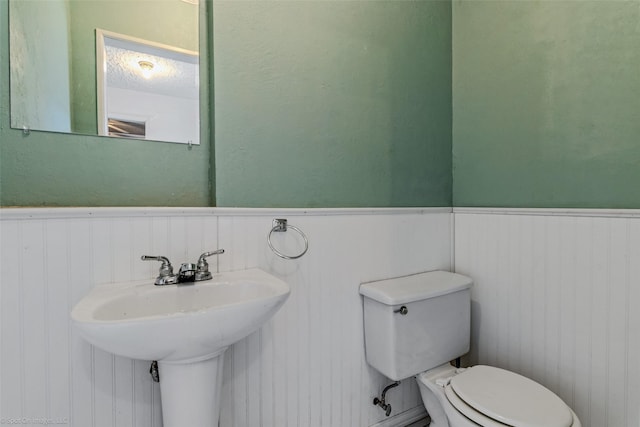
435, 329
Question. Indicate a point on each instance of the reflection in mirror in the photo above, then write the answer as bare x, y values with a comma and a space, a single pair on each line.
146, 90
57, 84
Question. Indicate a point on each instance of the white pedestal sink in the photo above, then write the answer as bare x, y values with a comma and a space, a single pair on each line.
186, 328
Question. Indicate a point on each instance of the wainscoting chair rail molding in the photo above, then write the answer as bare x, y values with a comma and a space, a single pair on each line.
577, 212
126, 212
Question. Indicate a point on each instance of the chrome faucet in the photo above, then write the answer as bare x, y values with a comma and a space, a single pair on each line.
188, 272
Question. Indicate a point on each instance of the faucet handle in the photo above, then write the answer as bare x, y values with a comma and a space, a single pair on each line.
202, 268
208, 254
165, 275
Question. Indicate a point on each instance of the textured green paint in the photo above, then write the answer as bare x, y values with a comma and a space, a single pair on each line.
546, 103
317, 104
48, 169
349, 104
324, 104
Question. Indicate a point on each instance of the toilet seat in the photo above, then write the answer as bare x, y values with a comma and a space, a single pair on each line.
468, 411
494, 397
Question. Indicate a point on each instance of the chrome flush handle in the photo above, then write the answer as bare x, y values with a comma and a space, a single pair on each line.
402, 310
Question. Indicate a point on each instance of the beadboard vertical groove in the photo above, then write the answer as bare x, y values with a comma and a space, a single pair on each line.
311, 369
305, 367
555, 298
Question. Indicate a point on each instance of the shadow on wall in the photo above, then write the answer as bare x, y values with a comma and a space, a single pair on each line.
471, 358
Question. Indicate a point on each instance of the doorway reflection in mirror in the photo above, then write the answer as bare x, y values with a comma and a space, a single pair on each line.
150, 85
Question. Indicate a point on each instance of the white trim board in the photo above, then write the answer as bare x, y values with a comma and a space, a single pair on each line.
18, 213
120, 212
404, 418
607, 213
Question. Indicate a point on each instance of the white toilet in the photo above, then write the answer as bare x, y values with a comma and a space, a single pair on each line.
415, 325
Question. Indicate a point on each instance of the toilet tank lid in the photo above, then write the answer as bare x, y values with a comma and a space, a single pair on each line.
402, 290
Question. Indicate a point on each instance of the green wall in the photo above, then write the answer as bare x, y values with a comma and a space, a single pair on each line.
49, 169
546, 103
349, 104
332, 103
317, 103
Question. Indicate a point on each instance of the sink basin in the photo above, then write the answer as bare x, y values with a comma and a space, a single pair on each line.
178, 322
186, 328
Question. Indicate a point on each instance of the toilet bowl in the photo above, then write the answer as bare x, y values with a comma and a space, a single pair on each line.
490, 397
414, 325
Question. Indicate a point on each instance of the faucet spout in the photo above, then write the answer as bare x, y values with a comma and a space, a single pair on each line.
187, 273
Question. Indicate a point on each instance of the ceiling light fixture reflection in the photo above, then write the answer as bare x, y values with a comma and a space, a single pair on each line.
147, 68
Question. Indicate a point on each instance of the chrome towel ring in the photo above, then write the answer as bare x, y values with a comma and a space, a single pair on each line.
280, 225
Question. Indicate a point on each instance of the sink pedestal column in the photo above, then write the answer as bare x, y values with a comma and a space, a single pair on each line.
190, 391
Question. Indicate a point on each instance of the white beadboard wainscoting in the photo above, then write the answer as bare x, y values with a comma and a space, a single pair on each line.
305, 367
557, 298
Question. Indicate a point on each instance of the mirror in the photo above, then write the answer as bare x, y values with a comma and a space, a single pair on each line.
123, 68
